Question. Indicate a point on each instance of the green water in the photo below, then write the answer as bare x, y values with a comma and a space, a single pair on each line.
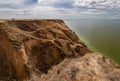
100, 35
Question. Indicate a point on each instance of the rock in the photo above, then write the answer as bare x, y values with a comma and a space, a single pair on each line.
47, 50
90, 67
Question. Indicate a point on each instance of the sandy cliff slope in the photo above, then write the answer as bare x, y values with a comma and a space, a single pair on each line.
47, 50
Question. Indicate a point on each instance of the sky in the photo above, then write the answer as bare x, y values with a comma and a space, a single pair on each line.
60, 9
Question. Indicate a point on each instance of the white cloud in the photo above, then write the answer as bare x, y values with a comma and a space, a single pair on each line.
100, 4
59, 8
57, 3
11, 1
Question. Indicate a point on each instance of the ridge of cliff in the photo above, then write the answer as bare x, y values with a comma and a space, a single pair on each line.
47, 50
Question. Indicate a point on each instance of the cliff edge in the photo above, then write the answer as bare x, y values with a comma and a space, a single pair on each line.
47, 50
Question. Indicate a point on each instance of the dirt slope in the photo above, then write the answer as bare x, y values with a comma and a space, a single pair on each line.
47, 50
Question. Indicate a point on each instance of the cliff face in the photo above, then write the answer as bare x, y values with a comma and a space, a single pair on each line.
47, 50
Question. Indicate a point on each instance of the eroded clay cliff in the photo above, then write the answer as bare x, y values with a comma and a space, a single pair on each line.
47, 50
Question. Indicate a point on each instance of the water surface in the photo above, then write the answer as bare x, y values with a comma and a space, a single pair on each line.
100, 35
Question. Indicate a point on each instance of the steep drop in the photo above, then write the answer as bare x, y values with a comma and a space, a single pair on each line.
41, 50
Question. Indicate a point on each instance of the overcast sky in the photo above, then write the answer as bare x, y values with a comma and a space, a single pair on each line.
63, 9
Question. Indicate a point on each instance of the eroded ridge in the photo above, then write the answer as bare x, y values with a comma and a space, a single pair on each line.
32, 47
47, 50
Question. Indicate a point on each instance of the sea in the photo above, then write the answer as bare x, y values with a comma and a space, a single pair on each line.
101, 35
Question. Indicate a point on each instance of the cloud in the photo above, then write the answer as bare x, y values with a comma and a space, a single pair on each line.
59, 8
29, 2
4, 2
16, 4
99, 4
57, 3
16, 8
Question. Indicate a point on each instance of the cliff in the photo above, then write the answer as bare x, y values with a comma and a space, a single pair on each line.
47, 50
